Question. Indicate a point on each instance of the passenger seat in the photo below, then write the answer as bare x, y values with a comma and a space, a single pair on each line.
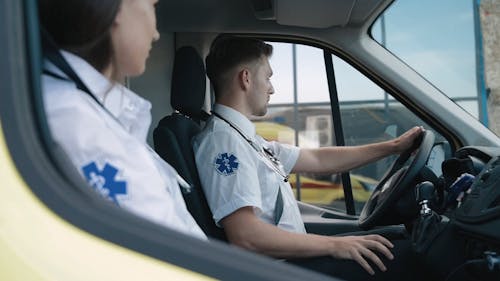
172, 137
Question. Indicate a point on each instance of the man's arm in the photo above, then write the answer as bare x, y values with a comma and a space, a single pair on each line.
245, 230
343, 158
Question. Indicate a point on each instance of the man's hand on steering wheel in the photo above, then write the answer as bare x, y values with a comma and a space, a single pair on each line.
399, 177
407, 140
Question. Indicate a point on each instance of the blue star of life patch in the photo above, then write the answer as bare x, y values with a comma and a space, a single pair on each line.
104, 180
226, 164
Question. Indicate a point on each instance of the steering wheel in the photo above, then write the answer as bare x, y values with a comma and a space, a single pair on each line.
396, 181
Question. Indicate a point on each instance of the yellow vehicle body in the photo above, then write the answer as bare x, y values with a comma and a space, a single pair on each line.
315, 191
325, 192
36, 244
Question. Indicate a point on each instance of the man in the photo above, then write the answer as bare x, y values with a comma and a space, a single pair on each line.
245, 177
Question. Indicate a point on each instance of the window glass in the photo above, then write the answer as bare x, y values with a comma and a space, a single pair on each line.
311, 76
351, 86
300, 114
282, 79
370, 115
437, 39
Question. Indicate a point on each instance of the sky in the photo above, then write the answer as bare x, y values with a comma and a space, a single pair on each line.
435, 37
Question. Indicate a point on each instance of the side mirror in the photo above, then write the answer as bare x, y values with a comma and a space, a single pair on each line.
392, 130
440, 151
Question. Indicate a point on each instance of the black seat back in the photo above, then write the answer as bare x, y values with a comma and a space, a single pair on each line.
173, 135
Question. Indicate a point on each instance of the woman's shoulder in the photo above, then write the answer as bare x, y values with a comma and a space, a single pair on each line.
58, 92
68, 107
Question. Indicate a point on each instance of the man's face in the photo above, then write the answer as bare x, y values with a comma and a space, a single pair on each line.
261, 88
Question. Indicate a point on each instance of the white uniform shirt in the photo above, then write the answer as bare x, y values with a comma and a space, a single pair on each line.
111, 152
234, 175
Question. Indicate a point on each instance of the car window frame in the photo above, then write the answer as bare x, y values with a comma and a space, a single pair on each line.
392, 90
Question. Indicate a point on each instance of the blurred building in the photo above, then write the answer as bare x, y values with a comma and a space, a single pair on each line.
489, 11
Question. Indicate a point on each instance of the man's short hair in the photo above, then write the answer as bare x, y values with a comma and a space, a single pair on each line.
228, 51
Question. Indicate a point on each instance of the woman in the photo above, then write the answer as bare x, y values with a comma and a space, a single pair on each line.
102, 125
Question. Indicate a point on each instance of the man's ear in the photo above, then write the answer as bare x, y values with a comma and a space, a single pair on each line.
244, 77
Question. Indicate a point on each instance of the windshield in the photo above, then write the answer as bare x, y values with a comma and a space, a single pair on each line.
438, 40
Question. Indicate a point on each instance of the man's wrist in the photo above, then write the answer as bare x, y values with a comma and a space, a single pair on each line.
389, 147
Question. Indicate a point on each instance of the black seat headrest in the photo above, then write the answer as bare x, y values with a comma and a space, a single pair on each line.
188, 83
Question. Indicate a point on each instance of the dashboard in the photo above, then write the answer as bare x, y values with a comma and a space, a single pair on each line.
466, 241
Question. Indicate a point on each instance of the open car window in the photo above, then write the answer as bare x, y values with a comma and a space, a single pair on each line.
300, 113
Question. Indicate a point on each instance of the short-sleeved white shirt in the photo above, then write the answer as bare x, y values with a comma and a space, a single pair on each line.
111, 152
234, 175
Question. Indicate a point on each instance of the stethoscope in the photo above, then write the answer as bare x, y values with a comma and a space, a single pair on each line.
266, 153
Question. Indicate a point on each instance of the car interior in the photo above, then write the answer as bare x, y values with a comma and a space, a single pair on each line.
393, 207
451, 216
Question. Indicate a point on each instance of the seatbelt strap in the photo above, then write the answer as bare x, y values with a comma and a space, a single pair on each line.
51, 53
55, 75
278, 207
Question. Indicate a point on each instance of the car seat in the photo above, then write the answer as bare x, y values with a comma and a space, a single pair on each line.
172, 137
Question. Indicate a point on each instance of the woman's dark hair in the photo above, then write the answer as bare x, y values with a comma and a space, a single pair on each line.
229, 51
81, 27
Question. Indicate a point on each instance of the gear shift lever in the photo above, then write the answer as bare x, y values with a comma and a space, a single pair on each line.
425, 192
427, 225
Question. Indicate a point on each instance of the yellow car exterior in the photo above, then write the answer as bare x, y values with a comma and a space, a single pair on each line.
325, 192
37, 244
315, 191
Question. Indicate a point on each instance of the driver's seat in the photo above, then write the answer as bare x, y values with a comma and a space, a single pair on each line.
172, 137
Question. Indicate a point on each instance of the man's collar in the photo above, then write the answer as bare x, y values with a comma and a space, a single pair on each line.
236, 118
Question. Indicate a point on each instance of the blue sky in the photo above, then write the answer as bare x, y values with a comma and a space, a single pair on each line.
435, 37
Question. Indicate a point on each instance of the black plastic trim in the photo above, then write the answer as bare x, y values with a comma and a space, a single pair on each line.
339, 131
